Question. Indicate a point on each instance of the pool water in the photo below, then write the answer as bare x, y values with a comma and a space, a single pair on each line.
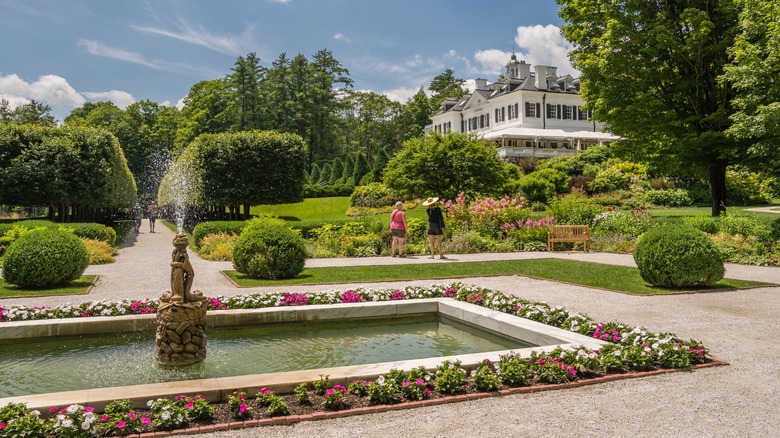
129, 359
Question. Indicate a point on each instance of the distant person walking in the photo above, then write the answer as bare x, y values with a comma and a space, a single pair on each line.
398, 229
435, 226
152, 213
137, 214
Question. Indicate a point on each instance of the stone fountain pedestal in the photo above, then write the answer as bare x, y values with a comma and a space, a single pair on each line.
181, 316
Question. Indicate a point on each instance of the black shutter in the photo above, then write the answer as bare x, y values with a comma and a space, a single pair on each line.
559, 112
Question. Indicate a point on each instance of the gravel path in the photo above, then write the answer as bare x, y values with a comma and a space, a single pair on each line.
738, 327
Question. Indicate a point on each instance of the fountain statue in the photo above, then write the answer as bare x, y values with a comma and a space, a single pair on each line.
181, 316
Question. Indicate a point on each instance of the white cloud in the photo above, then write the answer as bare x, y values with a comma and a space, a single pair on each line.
121, 99
199, 36
56, 92
402, 94
99, 49
180, 103
50, 89
341, 37
545, 45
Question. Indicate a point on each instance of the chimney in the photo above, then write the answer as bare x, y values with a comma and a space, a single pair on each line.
541, 76
525, 70
481, 84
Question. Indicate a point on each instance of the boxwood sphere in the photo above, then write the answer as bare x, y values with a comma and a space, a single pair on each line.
45, 258
270, 252
674, 256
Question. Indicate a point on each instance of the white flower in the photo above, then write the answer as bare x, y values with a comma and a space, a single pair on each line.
89, 416
60, 417
380, 381
180, 418
85, 425
165, 415
72, 409
150, 403
67, 423
37, 413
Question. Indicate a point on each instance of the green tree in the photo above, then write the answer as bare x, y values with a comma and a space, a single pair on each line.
757, 101
361, 167
336, 169
416, 115
204, 112
380, 161
446, 85
246, 104
325, 174
349, 167
371, 121
33, 113
444, 165
314, 175
651, 71
221, 170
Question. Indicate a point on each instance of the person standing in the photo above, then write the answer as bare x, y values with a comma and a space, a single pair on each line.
435, 226
152, 213
398, 229
137, 214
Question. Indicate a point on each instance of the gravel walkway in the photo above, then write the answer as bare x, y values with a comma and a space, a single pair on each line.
738, 327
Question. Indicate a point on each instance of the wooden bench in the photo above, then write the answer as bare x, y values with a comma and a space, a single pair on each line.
567, 233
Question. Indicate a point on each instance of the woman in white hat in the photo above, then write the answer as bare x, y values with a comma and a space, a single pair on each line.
435, 226
398, 229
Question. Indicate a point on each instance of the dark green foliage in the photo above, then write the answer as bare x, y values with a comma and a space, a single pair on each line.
94, 231
361, 167
776, 229
45, 258
536, 189
336, 169
575, 209
349, 167
314, 175
269, 249
675, 256
702, 223
669, 198
325, 174
445, 165
368, 178
203, 229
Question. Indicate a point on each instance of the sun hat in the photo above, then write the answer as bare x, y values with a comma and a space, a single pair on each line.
430, 201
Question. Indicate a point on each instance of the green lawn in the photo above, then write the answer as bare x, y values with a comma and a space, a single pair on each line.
320, 209
77, 287
616, 278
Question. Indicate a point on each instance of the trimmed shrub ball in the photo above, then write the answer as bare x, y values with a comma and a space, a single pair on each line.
676, 257
270, 252
45, 258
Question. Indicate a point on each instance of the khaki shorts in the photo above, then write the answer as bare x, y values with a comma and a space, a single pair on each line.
397, 233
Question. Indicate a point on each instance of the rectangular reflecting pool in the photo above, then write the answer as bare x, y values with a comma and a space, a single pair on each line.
92, 361
43, 363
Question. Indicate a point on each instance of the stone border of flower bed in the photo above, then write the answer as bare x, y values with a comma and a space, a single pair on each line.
326, 415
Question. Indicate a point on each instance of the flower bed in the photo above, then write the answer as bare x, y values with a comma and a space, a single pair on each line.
631, 349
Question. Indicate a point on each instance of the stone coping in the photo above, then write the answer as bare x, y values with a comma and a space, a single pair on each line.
217, 389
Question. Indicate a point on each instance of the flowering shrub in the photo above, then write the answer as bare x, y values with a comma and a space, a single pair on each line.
320, 386
550, 369
521, 232
275, 404
397, 295
351, 296
449, 377
415, 390
335, 399
75, 421
383, 391
485, 216
167, 414
631, 224
485, 377
119, 418
513, 370
237, 405
294, 299
358, 387
196, 407
17, 420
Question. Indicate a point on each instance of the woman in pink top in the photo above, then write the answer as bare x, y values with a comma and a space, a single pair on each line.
398, 229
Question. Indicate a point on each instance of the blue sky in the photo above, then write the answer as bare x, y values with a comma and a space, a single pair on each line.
68, 52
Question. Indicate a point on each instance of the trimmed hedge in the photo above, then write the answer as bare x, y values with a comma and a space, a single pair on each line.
89, 230
204, 229
44, 258
675, 256
267, 248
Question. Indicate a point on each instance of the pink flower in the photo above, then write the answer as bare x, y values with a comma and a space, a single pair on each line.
189, 405
146, 421
240, 396
420, 381
120, 425
427, 391
104, 418
54, 409
541, 361
2, 425
341, 401
242, 408
132, 415
406, 383
89, 408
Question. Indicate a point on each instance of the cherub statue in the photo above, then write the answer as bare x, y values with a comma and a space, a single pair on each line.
181, 274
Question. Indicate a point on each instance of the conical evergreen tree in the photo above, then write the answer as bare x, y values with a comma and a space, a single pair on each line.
380, 161
361, 167
349, 167
336, 169
314, 175
325, 174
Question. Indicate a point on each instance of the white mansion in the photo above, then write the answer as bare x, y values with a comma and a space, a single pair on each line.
527, 114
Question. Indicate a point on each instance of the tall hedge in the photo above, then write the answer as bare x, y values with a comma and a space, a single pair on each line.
74, 170
237, 169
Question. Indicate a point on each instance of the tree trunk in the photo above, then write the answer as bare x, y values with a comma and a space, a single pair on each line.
718, 186
246, 211
51, 213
